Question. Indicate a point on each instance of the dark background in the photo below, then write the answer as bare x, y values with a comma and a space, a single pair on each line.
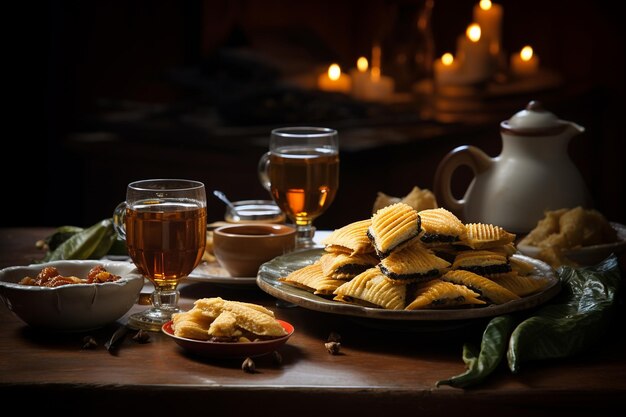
140, 89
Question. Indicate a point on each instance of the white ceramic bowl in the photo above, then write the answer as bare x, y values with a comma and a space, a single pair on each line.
73, 307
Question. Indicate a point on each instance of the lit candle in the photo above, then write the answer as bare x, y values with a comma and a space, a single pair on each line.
360, 76
489, 16
333, 80
473, 54
525, 62
446, 69
379, 87
371, 85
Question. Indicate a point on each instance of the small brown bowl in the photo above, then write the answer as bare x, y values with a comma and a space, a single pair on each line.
242, 248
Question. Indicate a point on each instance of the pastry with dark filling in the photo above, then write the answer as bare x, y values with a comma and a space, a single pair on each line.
413, 263
312, 279
482, 262
393, 227
339, 265
372, 289
518, 284
440, 227
351, 239
442, 294
488, 290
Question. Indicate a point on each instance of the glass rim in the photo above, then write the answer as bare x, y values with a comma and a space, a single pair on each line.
191, 184
304, 132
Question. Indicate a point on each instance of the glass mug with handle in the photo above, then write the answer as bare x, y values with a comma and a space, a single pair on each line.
301, 172
164, 224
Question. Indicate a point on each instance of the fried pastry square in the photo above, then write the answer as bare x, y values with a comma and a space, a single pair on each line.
225, 325
413, 263
521, 267
311, 278
339, 265
483, 236
442, 294
393, 227
371, 288
351, 239
487, 288
440, 227
482, 262
520, 285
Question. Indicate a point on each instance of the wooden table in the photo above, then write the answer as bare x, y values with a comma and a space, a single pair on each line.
378, 371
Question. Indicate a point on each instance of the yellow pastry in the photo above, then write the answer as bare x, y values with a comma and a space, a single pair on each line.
311, 278
351, 239
442, 294
412, 263
440, 227
520, 285
393, 227
482, 262
339, 265
487, 288
483, 236
372, 288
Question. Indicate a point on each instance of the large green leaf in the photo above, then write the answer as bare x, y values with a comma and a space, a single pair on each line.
571, 323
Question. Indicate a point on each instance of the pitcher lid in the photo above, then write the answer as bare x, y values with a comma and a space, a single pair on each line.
534, 120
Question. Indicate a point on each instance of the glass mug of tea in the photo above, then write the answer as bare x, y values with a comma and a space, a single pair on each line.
301, 172
164, 224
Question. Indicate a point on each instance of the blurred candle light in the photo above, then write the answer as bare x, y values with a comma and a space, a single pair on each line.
334, 80
489, 16
446, 69
473, 55
524, 63
371, 85
360, 77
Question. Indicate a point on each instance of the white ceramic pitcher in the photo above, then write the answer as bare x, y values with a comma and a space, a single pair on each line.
534, 173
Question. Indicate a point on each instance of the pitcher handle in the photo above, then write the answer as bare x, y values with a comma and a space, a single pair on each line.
474, 158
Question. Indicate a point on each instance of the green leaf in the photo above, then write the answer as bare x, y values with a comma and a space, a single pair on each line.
60, 235
84, 244
574, 321
492, 349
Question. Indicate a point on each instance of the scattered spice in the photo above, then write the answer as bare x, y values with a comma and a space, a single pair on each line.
89, 342
333, 347
277, 357
141, 336
248, 366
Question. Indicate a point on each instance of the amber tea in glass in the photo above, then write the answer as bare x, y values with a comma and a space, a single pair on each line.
164, 224
301, 171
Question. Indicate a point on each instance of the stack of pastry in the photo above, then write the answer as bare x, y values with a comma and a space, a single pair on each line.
404, 259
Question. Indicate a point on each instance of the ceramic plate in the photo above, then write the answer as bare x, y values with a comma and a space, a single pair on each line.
214, 273
229, 350
270, 271
588, 255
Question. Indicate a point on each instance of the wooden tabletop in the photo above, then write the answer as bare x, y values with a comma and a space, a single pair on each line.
379, 370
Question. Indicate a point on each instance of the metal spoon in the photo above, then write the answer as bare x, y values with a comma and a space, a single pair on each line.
225, 199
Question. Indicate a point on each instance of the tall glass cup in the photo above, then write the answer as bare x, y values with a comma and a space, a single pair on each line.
301, 172
164, 224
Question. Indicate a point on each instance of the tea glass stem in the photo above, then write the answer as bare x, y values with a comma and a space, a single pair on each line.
304, 236
164, 304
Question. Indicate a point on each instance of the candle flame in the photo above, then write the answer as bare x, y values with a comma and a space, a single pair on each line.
447, 59
526, 53
334, 72
375, 76
362, 64
485, 4
473, 32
